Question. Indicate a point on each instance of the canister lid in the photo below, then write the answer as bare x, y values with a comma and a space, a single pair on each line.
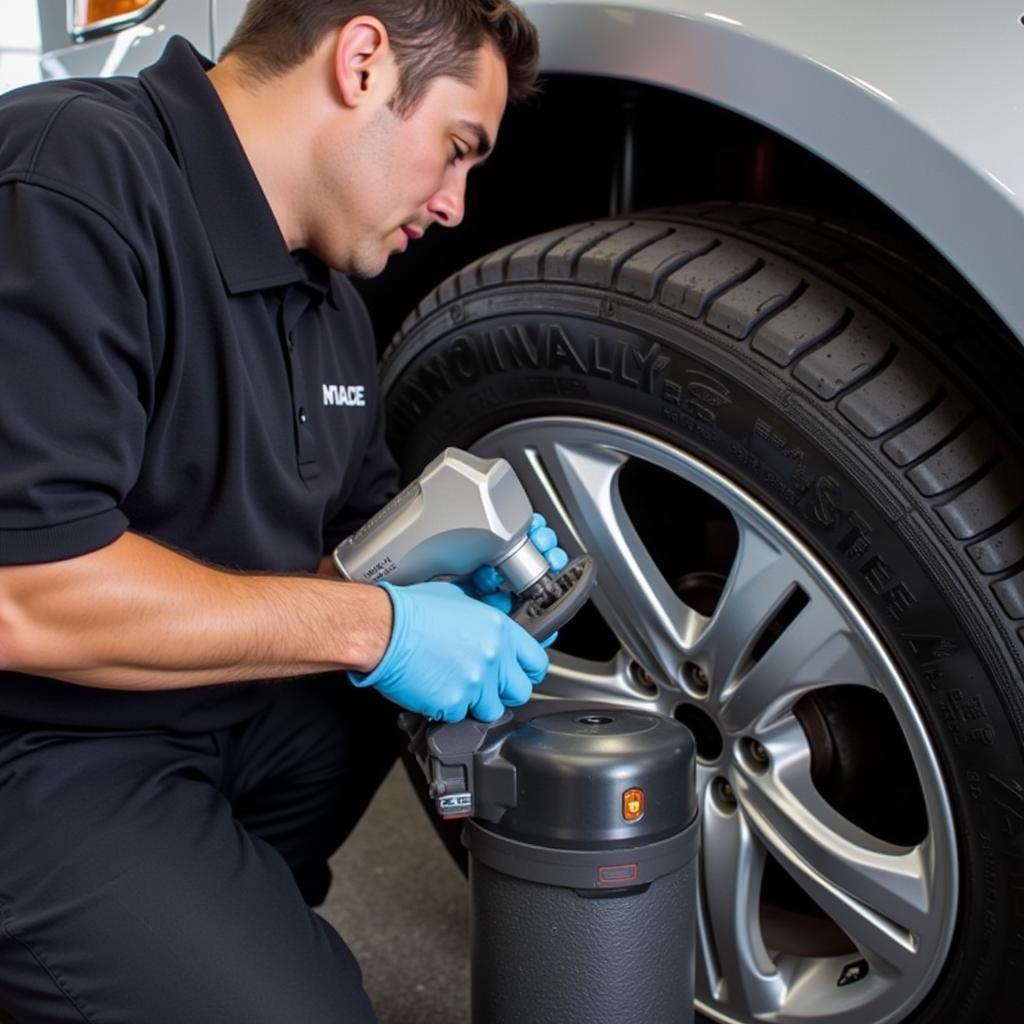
599, 778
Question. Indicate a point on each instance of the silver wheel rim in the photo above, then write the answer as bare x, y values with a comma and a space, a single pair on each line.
896, 904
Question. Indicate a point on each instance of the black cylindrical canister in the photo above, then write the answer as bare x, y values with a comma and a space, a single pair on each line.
584, 893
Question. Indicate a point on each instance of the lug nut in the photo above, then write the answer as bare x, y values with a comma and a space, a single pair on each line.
644, 679
757, 753
697, 678
725, 793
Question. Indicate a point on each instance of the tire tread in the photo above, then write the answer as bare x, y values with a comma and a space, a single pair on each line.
691, 289
902, 390
562, 258
643, 274
1001, 550
600, 264
918, 439
818, 315
851, 355
954, 462
738, 312
985, 502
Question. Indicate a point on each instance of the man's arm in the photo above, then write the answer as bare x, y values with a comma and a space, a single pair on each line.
135, 615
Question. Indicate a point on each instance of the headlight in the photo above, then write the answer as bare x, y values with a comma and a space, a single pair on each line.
94, 17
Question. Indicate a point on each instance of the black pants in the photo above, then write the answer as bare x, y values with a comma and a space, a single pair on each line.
148, 878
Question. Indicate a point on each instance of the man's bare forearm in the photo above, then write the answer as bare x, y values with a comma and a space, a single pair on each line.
136, 615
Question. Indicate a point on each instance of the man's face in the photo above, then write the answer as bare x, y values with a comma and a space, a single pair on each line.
375, 196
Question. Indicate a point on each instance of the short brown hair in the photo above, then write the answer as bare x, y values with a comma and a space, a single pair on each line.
430, 39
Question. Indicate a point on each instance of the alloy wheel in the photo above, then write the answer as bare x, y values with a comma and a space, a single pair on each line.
828, 887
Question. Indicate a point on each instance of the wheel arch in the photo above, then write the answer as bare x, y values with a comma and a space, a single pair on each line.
879, 128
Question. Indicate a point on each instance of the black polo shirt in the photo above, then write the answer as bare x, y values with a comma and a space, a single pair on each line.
166, 364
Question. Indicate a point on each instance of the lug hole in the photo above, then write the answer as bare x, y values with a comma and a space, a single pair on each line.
645, 681
724, 795
755, 754
696, 679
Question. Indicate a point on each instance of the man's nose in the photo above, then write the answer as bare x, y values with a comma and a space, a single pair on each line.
448, 204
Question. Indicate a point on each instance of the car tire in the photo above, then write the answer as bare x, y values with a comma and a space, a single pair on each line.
793, 455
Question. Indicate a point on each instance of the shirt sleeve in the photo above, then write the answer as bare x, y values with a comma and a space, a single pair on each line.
75, 374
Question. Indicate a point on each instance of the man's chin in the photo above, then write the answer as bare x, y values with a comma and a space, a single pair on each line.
364, 273
355, 264
364, 267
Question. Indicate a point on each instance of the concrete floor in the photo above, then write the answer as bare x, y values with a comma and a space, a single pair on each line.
401, 905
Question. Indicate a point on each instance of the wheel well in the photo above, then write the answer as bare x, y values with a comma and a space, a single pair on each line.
589, 147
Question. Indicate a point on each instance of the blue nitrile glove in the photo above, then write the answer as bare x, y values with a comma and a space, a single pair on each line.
486, 582
450, 656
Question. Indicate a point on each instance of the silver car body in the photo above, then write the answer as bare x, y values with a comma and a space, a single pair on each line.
920, 102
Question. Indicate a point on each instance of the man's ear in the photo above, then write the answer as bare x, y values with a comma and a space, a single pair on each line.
362, 60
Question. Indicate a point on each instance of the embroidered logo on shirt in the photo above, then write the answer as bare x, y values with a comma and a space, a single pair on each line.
344, 394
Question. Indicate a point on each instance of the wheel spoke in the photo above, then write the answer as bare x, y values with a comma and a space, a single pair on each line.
761, 579
812, 646
577, 679
576, 486
817, 649
732, 864
877, 893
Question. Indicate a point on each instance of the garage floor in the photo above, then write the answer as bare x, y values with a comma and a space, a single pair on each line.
401, 905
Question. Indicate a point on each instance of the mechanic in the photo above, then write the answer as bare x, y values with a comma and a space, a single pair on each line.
189, 422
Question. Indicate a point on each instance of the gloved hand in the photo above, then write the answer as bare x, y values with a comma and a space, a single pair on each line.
486, 582
450, 656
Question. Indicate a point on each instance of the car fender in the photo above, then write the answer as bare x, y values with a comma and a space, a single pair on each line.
880, 91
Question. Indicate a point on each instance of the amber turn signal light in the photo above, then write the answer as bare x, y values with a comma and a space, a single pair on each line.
633, 804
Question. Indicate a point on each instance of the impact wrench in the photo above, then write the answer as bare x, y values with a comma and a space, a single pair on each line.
461, 513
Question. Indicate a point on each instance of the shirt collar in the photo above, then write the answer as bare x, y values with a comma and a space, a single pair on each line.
247, 243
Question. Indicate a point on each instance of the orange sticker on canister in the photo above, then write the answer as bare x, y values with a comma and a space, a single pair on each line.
633, 804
